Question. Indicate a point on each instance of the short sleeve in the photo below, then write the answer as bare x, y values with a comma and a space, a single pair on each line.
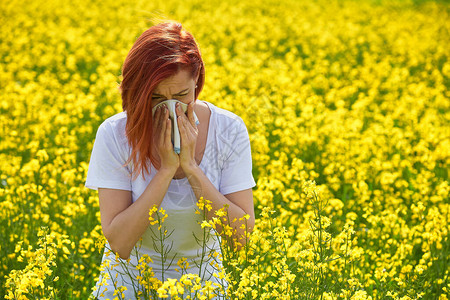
237, 166
106, 167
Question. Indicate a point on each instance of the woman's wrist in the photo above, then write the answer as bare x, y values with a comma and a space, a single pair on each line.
190, 168
167, 171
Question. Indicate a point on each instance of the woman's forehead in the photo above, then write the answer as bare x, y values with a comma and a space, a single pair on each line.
176, 83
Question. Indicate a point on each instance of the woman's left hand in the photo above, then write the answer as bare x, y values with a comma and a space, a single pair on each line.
188, 133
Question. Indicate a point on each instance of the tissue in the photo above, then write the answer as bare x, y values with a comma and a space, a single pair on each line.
176, 141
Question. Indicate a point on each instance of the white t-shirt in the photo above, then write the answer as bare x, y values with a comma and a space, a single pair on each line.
226, 162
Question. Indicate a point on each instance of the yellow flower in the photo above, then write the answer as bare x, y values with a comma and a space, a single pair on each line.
205, 224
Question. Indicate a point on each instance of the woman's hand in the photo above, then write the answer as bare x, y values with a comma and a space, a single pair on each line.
162, 140
188, 133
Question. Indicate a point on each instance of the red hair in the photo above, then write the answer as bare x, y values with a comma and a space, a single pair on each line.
160, 52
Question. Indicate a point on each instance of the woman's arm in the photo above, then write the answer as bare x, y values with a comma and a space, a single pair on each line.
124, 222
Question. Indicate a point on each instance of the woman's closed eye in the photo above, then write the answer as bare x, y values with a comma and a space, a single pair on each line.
157, 99
179, 96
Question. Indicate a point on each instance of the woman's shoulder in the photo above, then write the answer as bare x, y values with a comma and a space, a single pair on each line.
225, 120
114, 127
114, 122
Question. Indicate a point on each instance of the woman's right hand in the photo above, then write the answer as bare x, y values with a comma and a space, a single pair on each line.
163, 142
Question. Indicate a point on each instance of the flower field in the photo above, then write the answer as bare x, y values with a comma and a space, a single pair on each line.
347, 104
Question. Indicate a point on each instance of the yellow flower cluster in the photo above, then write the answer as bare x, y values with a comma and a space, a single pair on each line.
161, 216
351, 95
35, 279
189, 286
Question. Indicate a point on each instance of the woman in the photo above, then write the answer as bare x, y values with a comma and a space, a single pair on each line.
134, 166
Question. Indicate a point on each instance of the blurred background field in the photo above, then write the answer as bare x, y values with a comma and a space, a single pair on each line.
351, 94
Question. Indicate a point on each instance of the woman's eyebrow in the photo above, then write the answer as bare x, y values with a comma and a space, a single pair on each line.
181, 92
